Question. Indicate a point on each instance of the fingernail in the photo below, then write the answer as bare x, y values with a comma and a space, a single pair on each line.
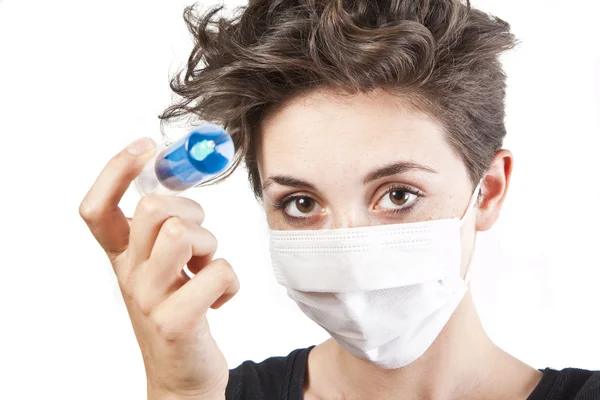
140, 146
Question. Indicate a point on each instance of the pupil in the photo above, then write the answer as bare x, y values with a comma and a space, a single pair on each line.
399, 197
304, 204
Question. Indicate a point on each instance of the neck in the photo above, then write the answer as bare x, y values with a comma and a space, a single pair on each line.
461, 363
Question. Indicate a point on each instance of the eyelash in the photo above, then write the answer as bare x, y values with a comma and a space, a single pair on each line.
407, 189
282, 203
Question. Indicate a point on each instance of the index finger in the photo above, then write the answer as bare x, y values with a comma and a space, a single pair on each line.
100, 207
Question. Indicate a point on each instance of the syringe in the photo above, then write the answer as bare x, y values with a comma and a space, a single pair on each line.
204, 152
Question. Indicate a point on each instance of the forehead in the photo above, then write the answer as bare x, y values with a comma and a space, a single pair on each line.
322, 131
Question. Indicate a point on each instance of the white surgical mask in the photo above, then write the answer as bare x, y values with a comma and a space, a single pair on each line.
383, 292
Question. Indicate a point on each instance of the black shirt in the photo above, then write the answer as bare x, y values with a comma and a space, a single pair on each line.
282, 378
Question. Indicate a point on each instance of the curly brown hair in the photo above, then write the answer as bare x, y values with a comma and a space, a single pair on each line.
440, 55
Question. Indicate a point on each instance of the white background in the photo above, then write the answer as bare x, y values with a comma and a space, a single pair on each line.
79, 80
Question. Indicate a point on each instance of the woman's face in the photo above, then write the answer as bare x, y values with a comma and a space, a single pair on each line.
336, 162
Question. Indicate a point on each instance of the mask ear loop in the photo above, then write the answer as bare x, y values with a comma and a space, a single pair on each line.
474, 198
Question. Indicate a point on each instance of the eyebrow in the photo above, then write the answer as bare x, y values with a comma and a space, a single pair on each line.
396, 168
286, 180
382, 172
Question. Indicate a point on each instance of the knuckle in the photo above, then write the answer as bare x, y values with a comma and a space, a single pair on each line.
174, 228
167, 329
89, 212
144, 304
211, 241
200, 215
225, 272
126, 285
150, 204
194, 205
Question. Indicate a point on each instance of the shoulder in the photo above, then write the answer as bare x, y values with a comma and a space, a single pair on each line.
569, 383
273, 378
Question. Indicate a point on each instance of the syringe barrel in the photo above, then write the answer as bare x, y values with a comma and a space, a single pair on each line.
204, 152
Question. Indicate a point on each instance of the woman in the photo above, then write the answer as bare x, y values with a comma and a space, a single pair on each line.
372, 132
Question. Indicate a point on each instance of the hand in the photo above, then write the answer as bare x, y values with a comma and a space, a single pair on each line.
167, 309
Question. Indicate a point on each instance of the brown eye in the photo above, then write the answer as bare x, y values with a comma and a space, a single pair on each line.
300, 206
304, 204
399, 197
396, 199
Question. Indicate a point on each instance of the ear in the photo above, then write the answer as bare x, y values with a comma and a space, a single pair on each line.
494, 187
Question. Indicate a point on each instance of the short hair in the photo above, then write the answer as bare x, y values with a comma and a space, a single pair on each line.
440, 55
